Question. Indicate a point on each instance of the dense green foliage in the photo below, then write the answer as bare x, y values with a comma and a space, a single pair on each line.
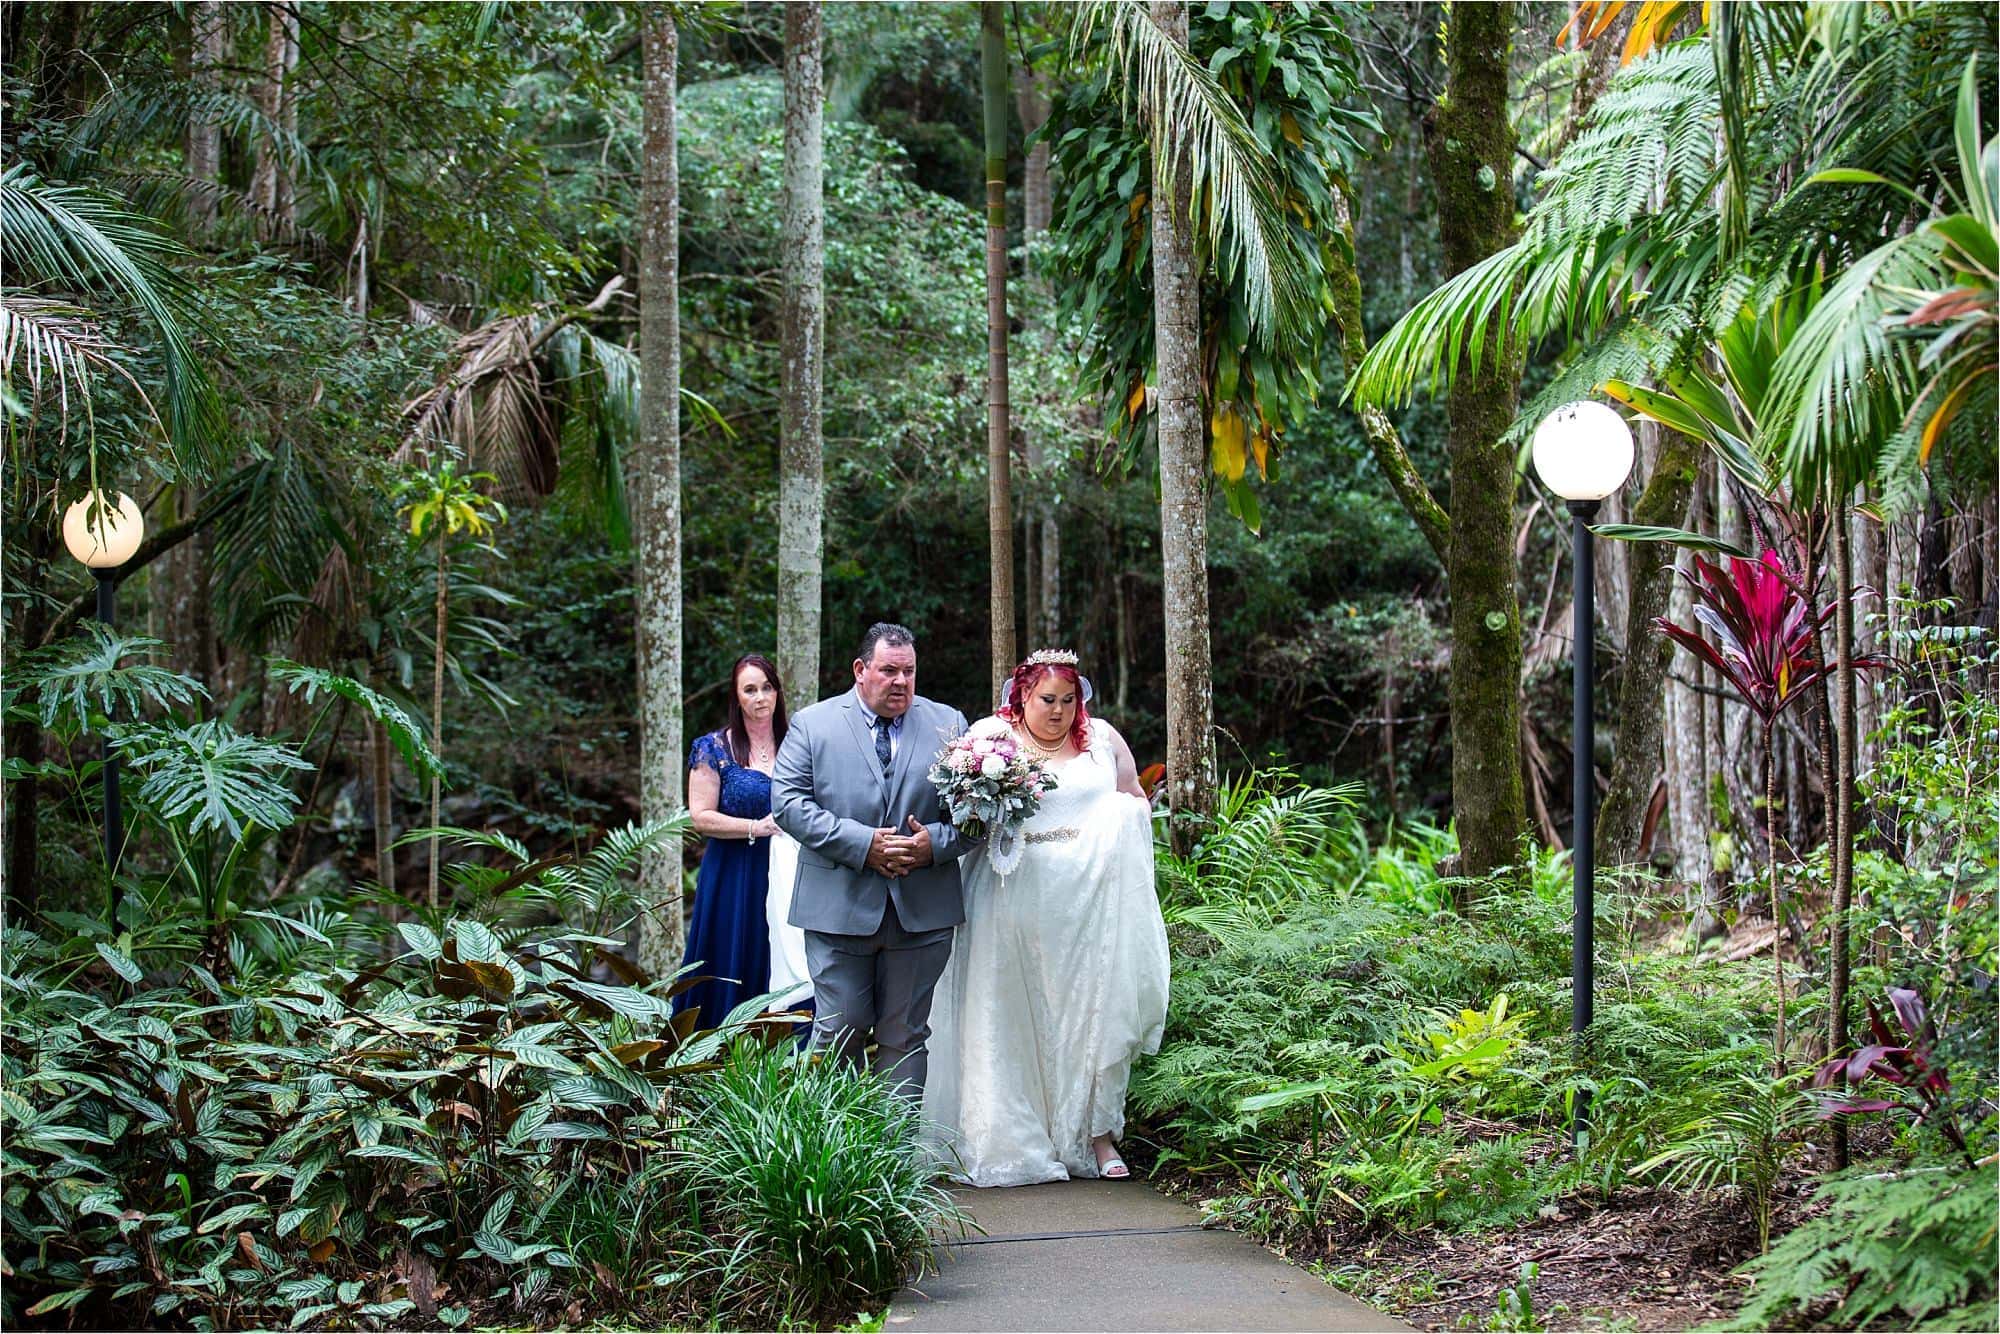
1347, 1054
1290, 71
274, 1086
333, 1107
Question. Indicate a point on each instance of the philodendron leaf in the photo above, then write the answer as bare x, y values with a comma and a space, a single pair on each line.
210, 776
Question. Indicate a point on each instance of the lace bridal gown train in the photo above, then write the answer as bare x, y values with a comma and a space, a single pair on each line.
1057, 983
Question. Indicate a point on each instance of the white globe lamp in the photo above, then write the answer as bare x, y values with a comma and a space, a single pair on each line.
102, 533
1583, 451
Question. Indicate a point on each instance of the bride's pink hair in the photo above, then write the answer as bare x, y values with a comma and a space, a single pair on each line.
1029, 675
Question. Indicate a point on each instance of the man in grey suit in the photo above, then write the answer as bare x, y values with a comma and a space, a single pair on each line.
878, 891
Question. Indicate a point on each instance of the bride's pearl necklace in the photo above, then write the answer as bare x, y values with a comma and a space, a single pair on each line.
1047, 752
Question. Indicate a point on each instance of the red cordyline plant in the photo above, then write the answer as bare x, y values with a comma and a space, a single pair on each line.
1907, 1062
1766, 646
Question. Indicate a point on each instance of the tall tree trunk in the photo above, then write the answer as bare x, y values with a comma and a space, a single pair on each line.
182, 604
999, 448
287, 202
268, 192
208, 28
657, 470
801, 476
1777, 902
180, 585
437, 707
1045, 522
1636, 761
382, 790
1470, 140
23, 741
1684, 744
1183, 436
1031, 560
1841, 801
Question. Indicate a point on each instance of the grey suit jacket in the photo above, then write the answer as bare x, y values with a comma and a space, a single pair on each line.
828, 792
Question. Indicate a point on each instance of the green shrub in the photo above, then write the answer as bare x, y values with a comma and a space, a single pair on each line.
814, 1187
325, 1149
1341, 1046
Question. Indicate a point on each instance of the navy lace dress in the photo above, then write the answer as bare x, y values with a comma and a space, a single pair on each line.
728, 939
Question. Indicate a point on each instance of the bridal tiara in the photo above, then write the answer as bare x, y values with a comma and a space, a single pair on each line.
1047, 657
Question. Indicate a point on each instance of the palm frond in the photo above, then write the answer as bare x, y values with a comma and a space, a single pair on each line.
67, 238
403, 731
57, 346
135, 109
493, 406
275, 534
1196, 127
1838, 391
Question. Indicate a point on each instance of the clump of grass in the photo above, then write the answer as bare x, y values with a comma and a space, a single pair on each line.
816, 1192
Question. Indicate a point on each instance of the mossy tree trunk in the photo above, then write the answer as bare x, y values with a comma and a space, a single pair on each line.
1638, 758
802, 478
657, 489
1470, 142
1183, 437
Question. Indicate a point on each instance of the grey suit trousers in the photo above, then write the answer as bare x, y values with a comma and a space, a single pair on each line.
880, 983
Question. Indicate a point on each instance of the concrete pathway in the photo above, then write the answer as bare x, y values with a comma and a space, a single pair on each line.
1114, 1255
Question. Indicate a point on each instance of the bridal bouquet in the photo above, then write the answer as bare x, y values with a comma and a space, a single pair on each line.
991, 788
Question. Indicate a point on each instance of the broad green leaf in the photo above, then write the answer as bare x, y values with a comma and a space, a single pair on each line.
1680, 537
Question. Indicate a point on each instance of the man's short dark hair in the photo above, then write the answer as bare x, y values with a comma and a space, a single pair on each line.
885, 632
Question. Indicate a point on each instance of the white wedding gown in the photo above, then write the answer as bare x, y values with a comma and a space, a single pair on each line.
1056, 984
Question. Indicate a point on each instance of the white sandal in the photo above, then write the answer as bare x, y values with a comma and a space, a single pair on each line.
1112, 1168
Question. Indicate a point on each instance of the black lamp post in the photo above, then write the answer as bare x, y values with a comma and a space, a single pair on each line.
103, 534
1583, 453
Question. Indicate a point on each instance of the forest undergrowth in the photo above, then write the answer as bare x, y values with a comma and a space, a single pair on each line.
249, 1104
1369, 1067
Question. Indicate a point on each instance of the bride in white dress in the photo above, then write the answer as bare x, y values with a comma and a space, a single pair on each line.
1058, 980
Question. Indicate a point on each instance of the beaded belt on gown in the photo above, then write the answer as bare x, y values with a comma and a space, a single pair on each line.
1062, 835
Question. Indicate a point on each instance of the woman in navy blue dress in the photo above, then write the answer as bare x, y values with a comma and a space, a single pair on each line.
729, 802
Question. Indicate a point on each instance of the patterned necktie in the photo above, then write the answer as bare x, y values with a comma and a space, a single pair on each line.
883, 747
882, 743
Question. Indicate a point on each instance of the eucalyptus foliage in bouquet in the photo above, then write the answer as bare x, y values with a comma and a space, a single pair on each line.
991, 787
